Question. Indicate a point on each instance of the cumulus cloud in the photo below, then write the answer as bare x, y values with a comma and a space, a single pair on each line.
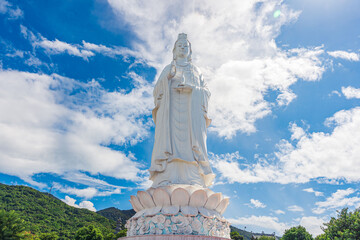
318, 155
337, 200
350, 56
310, 190
256, 203
350, 92
84, 204
297, 132
313, 224
58, 125
234, 45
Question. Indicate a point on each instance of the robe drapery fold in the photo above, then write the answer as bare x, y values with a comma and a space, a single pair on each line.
167, 165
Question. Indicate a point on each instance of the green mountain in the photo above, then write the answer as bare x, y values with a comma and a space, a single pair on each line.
117, 215
44, 213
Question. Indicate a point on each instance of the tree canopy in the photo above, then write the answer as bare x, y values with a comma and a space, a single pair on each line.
297, 233
11, 226
345, 226
236, 236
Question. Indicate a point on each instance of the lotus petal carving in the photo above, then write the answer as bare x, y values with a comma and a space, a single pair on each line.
171, 199
161, 197
145, 199
213, 201
170, 210
136, 204
180, 197
222, 206
198, 198
152, 211
189, 211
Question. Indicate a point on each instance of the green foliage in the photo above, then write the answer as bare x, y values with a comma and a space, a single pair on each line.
122, 233
89, 233
246, 235
297, 233
321, 237
345, 226
11, 226
43, 213
49, 236
236, 236
266, 238
116, 214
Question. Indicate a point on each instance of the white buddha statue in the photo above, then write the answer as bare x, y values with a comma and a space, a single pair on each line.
180, 115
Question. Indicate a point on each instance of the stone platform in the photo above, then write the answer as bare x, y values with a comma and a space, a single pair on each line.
172, 237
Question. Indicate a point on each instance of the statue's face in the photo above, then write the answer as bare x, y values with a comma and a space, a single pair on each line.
182, 48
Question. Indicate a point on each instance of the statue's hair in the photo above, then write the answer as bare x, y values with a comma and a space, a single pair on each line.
174, 54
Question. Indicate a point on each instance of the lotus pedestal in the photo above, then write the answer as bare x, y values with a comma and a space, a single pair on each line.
178, 212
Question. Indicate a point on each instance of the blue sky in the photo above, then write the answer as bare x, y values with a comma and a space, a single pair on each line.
76, 80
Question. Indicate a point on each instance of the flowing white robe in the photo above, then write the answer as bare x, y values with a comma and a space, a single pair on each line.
180, 153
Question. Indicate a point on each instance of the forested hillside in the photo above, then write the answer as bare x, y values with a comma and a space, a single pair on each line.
44, 213
116, 214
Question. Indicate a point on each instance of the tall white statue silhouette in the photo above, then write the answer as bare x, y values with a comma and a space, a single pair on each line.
180, 115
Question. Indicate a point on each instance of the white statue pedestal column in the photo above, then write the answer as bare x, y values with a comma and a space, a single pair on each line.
172, 237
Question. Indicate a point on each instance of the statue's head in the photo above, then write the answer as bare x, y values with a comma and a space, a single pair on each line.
182, 47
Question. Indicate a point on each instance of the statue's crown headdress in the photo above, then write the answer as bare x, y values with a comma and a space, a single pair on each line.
182, 36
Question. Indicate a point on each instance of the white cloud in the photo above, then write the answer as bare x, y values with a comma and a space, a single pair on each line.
313, 224
337, 200
318, 155
87, 193
295, 208
279, 212
234, 45
350, 92
297, 132
270, 224
58, 125
310, 190
12, 11
351, 56
256, 203
261, 222
57, 47
84, 204
84, 50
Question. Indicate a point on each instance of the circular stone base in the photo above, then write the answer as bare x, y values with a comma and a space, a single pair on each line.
172, 237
